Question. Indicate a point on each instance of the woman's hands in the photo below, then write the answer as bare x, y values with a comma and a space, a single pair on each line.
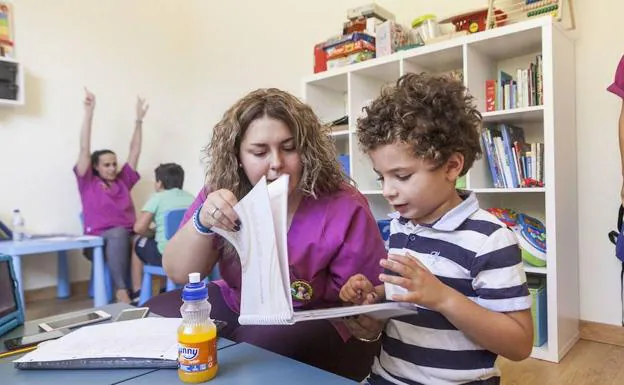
218, 211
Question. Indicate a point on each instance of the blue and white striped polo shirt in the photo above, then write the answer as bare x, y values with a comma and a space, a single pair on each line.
471, 251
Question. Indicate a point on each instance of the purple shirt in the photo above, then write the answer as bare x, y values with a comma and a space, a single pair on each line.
617, 87
330, 239
105, 206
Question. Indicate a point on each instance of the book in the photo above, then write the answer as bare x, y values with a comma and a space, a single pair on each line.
142, 343
262, 247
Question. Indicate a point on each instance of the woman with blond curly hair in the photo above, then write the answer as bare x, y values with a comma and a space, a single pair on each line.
331, 231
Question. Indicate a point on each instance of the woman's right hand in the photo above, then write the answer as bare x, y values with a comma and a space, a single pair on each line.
218, 211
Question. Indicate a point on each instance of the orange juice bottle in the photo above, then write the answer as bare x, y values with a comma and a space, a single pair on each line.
197, 336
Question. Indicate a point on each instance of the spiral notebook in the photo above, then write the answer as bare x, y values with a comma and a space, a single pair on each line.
262, 247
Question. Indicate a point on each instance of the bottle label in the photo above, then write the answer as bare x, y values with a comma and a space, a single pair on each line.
197, 357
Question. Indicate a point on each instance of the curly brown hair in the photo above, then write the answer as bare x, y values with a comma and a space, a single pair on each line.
321, 171
435, 115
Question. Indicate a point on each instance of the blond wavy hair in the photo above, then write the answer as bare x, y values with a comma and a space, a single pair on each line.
321, 172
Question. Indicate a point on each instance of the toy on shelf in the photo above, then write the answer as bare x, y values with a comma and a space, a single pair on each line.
342, 50
531, 235
508, 216
475, 21
426, 27
530, 232
519, 10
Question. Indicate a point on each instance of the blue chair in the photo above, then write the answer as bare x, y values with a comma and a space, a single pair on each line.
384, 229
173, 219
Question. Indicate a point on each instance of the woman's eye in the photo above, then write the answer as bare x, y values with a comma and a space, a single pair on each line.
403, 178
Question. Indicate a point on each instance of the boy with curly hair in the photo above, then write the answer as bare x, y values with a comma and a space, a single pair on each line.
455, 260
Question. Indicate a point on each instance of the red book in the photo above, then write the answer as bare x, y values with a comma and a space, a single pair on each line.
490, 95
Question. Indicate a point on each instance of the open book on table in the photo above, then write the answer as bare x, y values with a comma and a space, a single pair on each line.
262, 247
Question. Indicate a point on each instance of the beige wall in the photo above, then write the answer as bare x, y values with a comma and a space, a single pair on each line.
193, 58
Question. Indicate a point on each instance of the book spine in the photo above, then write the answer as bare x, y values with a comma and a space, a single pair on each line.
490, 95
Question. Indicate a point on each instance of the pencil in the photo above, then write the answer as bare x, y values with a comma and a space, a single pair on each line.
17, 351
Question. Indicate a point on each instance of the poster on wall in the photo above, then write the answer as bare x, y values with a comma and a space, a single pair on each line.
7, 44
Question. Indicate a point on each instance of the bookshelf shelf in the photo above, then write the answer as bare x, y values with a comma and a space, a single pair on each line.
371, 192
479, 57
535, 270
540, 352
519, 190
340, 134
515, 115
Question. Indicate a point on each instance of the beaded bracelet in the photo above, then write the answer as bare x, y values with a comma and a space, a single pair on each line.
198, 225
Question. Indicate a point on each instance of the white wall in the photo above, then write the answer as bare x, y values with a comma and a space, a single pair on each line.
194, 58
598, 50
118, 49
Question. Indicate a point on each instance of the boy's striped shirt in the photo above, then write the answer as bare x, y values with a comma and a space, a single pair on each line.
471, 251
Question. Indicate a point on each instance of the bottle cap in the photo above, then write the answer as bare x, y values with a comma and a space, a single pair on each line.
195, 290
194, 278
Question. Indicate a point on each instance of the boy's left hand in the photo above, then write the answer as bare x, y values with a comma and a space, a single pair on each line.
423, 287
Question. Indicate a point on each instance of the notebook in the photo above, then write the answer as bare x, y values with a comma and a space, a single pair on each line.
143, 343
262, 247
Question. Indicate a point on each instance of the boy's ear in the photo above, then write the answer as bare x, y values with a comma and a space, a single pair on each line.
454, 166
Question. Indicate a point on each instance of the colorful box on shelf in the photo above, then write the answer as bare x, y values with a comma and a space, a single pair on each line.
537, 289
349, 48
346, 44
390, 37
353, 58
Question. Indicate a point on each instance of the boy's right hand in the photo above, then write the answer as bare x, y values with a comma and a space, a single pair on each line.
358, 290
218, 211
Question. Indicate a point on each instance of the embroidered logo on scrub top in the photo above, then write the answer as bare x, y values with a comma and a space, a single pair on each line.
301, 290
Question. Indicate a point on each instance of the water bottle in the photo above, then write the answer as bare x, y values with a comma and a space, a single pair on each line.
197, 336
18, 226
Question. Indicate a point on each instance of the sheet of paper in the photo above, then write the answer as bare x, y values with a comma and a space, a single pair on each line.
152, 337
278, 194
263, 294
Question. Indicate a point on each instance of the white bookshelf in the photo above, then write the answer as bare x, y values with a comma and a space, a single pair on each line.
20, 84
344, 91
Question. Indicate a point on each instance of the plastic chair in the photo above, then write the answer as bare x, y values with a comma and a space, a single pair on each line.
173, 219
384, 229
